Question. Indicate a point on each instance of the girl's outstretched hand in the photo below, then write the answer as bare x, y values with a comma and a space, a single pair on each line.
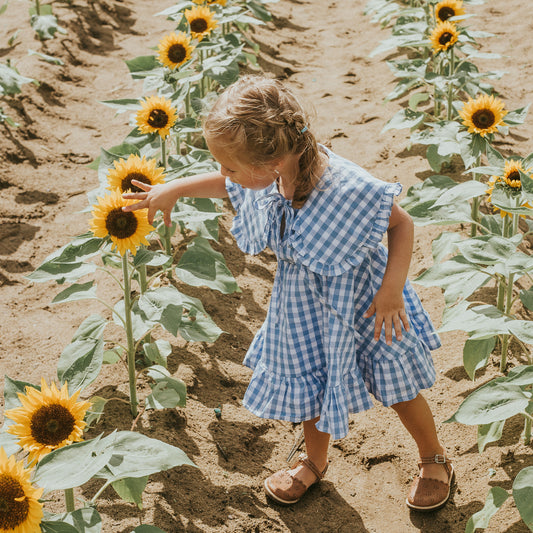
154, 198
388, 306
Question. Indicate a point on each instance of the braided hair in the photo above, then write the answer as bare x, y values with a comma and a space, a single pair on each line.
263, 119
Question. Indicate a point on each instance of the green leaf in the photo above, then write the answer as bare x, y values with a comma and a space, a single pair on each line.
123, 104
458, 277
48, 526
61, 272
417, 99
490, 403
476, 354
46, 57
168, 392
81, 360
487, 433
157, 352
405, 118
444, 245
142, 66
135, 455
436, 160
130, 489
523, 495
495, 499
523, 330
200, 265
9, 442
86, 520
141, 325
73, 465
45, 26
516, 117
259, 10
12, 388
495, 158
462, 191
488, 249
526, 297
150, 258
196, 325
11, 81
78, 291
164, 306
112, 356
96, 410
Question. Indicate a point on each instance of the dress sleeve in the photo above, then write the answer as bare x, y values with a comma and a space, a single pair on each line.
236, 194
349, 217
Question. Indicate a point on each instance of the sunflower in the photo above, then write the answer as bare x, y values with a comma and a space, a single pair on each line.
127, 230
20, 509
210, 2
134, 168
201, 21
510, 181
448, 8
443, 36
483, 115
156, 116
175, 49
48, 419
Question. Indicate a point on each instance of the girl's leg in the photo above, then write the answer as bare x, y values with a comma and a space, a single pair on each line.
417, 418
316, 445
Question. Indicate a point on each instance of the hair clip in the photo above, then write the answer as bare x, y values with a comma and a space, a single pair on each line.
304, 129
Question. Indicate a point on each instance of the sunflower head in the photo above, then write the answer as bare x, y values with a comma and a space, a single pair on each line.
510, 181
156, 116
483, 115
448, 8
127, 230
175, 49
210, 2
201, 21
48, 419
20, 509
134, 168
443, 36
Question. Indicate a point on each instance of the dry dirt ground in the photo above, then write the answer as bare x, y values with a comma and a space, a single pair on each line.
322, 49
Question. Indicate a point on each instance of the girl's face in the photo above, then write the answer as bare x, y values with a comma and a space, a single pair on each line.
241, 172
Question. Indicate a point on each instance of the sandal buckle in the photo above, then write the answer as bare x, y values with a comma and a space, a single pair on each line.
440, 459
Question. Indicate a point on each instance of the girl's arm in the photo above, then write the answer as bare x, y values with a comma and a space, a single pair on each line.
388, 304
164, 196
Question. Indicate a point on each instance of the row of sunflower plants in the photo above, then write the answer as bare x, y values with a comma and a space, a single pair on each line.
48, 422
495, 203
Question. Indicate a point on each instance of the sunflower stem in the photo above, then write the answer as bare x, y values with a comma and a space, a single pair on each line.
37, 7
527, 431
69, 500
129, 335
450, 84
102, 488
188, 109
475, 201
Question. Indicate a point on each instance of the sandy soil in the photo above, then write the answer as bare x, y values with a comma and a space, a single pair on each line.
321, 49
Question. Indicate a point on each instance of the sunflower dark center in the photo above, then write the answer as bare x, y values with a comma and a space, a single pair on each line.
121, 224
199, 25
12, 512
483, 119
158, 118
514, 176
445, 13
125, 184
177, 53
445, 38
51, 424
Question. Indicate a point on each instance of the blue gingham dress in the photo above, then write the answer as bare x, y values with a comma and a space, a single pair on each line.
315, 354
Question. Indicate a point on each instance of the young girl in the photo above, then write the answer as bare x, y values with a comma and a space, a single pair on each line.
327, 342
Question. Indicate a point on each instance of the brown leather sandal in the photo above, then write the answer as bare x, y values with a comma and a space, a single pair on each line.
428, 494
284, 488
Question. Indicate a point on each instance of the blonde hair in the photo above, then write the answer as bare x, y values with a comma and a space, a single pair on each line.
263, 119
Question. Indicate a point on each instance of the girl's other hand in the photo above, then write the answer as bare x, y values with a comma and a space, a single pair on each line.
389, 309
153, 198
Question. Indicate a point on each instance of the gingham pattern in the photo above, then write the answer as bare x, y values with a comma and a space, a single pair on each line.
315, 354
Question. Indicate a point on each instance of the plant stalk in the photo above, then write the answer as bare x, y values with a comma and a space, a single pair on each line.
37, 7
129, 335
69, 500
450, 84
475, 202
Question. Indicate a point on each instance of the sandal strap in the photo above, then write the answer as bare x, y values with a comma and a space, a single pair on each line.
439, 458
303, 459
